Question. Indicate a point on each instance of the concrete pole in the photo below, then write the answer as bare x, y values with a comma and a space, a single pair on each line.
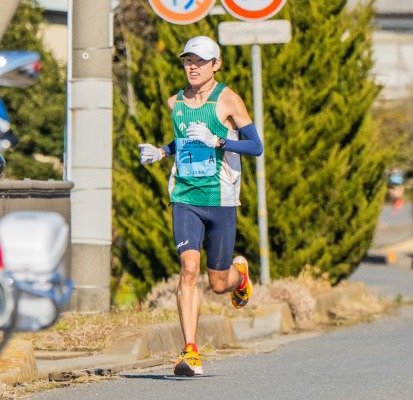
7, 10
89, 152
260, 163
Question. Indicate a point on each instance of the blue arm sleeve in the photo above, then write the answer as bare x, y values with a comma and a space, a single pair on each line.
251, 146
169, 149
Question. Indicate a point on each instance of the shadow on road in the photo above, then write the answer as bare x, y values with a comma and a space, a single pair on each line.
167, 377
375, 259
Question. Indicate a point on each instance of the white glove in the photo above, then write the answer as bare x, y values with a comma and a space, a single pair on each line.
203, 134
149, 154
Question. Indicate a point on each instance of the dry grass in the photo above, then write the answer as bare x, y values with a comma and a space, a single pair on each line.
9, 392
20, 391
74, 332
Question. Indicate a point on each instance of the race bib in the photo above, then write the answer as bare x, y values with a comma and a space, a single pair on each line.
195, 158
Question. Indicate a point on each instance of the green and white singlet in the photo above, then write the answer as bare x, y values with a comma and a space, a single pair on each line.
202, 175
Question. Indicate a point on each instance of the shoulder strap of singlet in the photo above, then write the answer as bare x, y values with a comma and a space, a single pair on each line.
213, 97
180, 96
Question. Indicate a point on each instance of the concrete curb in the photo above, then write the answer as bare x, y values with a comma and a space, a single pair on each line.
345, 291
166, 338
269, 320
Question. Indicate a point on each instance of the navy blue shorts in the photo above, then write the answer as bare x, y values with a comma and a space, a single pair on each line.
217, 224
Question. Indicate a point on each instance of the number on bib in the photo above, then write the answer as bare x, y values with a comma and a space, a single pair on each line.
195, 159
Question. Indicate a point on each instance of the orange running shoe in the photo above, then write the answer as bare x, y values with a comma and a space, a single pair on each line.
188, 363
240, 297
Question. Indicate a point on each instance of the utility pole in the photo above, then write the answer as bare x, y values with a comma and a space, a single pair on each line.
89, 151
7, 10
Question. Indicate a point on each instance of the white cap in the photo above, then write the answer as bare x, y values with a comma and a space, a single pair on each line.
203, 47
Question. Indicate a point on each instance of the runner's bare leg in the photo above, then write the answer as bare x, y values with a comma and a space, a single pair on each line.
188, 294
224, 281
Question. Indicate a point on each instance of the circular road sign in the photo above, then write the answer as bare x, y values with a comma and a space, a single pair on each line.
182, 11
253, 10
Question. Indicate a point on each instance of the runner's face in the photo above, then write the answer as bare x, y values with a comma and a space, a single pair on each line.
198, 71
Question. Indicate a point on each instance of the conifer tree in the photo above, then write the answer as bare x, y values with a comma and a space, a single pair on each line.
37, 114
324, 174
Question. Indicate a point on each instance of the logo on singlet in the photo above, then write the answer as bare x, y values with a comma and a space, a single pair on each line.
179, 113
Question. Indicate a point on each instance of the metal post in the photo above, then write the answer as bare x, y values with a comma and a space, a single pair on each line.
89, 158
7, 10
68, 128
260, 163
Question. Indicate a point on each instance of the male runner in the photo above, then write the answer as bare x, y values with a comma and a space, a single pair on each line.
204, 186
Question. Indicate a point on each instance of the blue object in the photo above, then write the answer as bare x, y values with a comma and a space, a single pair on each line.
19, 68
251, 146
3, 112
396, 178
59, 292
189, 4
169, 149
217, 224
194, 158
7, 139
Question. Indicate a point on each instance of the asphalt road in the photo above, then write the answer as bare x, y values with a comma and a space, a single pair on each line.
387, 280
372, 361
393, 227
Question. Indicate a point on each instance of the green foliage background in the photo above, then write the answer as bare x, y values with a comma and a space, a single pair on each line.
324, 172
324, 161
37, 114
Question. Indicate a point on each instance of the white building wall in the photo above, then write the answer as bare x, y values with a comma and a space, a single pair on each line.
393, 53
55, 40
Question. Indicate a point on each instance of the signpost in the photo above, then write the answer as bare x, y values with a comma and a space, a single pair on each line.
241, 33
182, 11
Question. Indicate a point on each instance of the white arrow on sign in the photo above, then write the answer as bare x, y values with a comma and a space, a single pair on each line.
266, 32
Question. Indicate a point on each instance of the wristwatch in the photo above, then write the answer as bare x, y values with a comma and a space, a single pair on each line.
222, 143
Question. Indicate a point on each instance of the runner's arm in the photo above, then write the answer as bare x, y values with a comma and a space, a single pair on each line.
252, 144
